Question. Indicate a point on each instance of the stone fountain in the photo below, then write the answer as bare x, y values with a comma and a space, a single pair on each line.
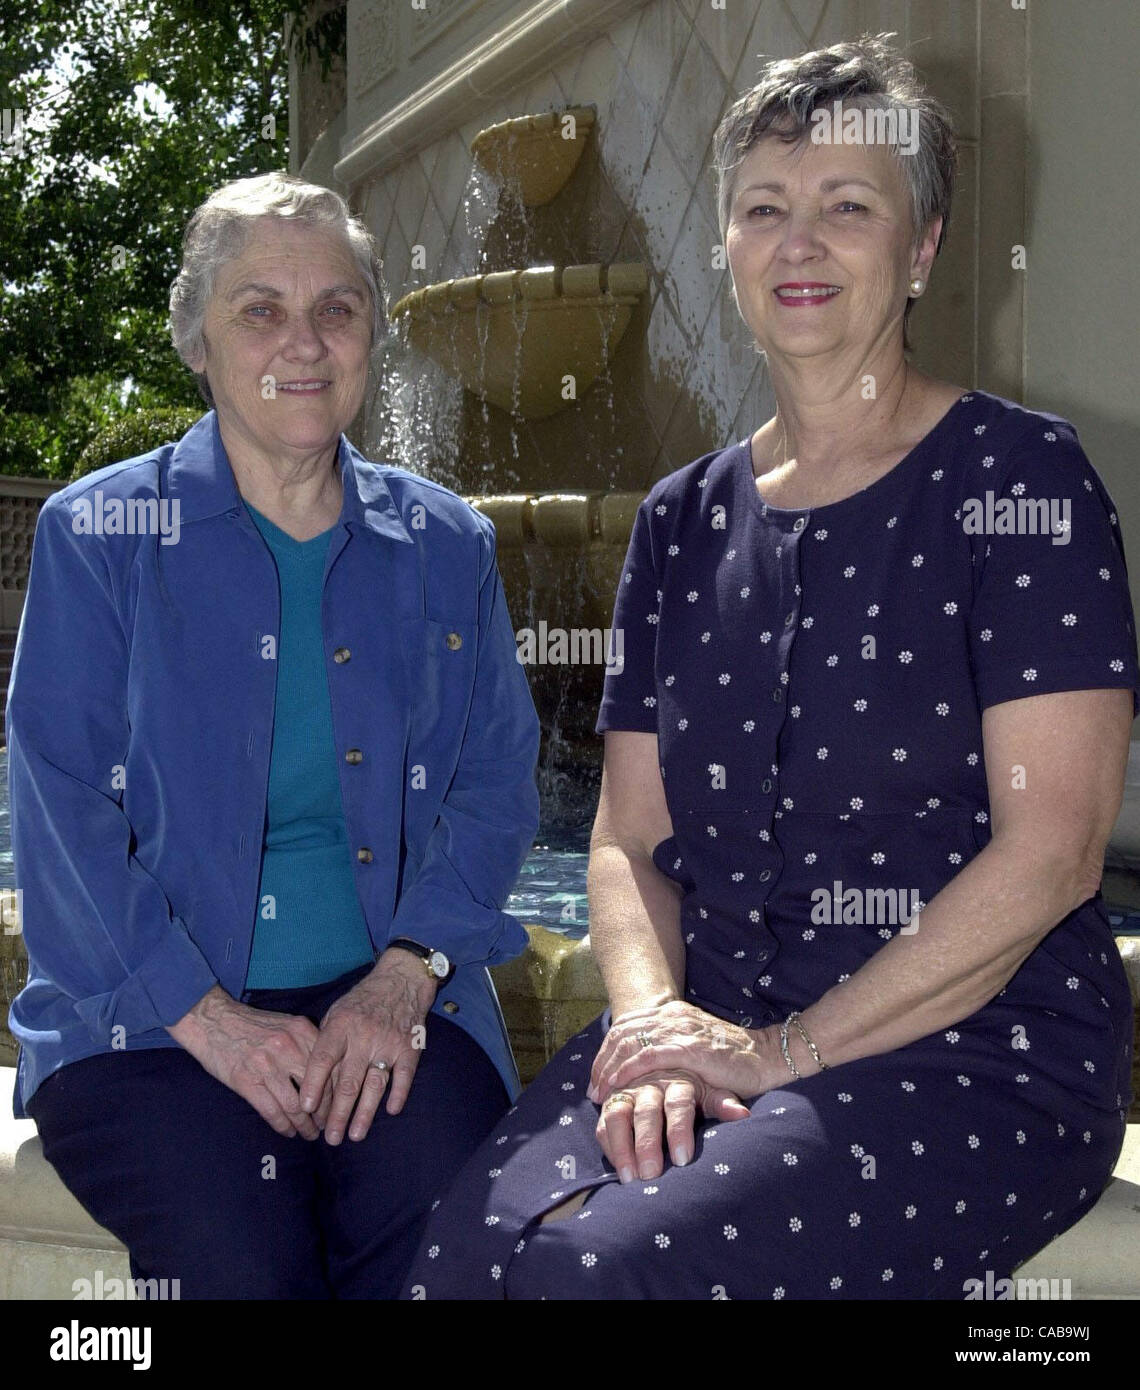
529, 355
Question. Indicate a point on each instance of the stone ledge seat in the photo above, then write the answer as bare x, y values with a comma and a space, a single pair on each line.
48, 1242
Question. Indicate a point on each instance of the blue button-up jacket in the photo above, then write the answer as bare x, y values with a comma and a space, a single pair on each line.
139, 727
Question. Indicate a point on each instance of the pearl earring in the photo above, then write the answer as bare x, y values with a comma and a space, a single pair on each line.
917, 287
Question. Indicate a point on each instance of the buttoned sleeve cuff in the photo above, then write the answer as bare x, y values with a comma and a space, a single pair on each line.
466, 932
166, 986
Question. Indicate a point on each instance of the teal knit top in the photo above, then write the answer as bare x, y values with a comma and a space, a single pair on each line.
310, 926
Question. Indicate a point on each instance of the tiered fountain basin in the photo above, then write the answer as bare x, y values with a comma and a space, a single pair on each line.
542, 530
560, 555
576, 519
530, 341
535, 154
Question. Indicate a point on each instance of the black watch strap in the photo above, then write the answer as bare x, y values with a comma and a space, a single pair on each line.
425, 954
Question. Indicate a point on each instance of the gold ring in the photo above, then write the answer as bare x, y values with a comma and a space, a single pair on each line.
620, 1095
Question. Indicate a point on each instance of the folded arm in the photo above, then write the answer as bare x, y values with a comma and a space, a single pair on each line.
635, 934
1050, 830
635, 911
1051, 822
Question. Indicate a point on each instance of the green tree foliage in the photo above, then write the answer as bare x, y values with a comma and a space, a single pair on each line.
130, 114
135, 434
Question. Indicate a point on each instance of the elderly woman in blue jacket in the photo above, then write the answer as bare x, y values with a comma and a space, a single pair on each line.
271, 761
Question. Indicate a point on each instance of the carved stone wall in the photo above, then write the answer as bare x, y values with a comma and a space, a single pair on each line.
422, 82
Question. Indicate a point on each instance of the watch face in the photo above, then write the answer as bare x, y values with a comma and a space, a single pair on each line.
438, 964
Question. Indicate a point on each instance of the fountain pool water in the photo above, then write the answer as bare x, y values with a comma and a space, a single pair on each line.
551, 890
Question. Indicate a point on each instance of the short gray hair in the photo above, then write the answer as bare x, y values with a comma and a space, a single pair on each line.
866, 73
219, 229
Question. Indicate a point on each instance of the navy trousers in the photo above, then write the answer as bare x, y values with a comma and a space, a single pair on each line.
199, 1188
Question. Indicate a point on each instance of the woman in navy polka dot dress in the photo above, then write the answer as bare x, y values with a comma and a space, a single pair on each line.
869, 1034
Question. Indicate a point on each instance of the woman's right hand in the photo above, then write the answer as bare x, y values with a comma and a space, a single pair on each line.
260, 1055
634, 1119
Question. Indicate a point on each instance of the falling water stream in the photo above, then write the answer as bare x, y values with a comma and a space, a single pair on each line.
421, 424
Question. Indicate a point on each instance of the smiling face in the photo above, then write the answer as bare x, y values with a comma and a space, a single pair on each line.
287, 335
820, 247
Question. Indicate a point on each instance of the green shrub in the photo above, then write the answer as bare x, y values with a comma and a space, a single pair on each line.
134, 434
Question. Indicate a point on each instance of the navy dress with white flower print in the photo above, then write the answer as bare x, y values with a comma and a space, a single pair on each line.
816, 679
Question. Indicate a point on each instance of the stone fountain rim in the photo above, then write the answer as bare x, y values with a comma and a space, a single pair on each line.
535, 126
545, 290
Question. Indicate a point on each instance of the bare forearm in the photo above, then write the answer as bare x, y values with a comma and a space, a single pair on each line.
635, 929
971, 939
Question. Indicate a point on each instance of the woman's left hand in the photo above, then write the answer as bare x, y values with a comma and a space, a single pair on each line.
680, 1037
664, 1106
379, 1020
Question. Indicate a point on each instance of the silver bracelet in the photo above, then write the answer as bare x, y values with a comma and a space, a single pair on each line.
796, 1018
784, 1048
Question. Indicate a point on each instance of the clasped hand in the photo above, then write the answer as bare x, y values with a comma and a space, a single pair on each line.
658, 1067
301, 1079
368, 1036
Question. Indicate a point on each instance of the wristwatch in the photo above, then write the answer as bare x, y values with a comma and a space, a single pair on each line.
435, 962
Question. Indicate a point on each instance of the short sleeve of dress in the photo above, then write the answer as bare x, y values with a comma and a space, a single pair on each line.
1052, 609
629, 694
